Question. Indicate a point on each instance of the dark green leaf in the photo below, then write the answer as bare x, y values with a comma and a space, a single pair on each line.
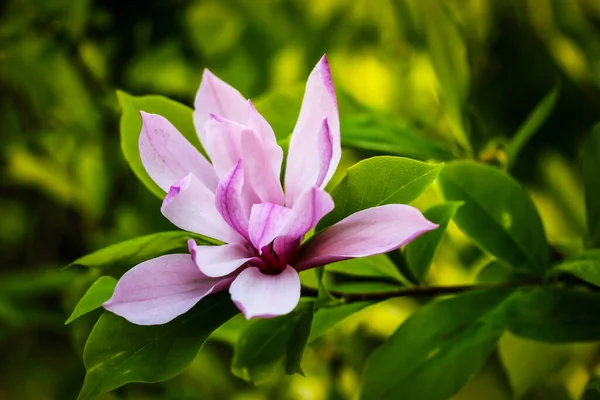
266, 342
594, 385
118, 352
555, 315
585, 266
497, 214
420, 252
96, 295
532, 124
495, 271
377, 181
378, 266
435, 352
591, 182
178, 114
363, 287
115, 260
327, 318
375, 133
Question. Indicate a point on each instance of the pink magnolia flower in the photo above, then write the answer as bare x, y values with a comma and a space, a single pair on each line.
239, 200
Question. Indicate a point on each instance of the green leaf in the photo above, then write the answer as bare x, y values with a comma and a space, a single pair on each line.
117, 259
448, 54
532, 124
435, 352
591, 183
364, 286
326, 319
498, 215
378, 133
420, 252
555, 315
179, 115
100, 291
377, 181
594, 385
118, 352
265, 343
378, 266
585, 266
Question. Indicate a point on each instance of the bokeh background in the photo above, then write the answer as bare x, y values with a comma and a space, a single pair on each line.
66, 190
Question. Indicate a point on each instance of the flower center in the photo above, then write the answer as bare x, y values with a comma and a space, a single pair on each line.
274, 262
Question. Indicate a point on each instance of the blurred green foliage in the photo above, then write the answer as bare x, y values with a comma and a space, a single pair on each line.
432, 80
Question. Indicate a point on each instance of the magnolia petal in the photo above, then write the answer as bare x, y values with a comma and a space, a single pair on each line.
223, 143
167, 156
217, 97
189, 205
218, 261
230, 202
311, 206
266, 221
368, 232
265, 296
316, 136
158, 290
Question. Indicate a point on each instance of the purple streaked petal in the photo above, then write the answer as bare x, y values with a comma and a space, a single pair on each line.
229, 200
312, 139
368, 232
167, 156
218, 261
265, 296
217, 97
158, 290
190, 206
266, 221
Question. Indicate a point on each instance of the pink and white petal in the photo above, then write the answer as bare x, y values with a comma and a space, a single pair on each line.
266, 222
217, 97
158, 290
368, 232
219, 261
223, 143
167, 156
265, 296
262, 162
230, 201
259, 124
189, 205
310, 140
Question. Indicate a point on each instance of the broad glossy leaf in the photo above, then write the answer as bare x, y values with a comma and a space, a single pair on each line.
532, 124
419, 253
435, 352
115, 260
591, 181
326, 319
555, 315
266, 342
118, 352
377, 133
585, 266
378, 266
179, 115
497, 214
377, 181
363, 286
448, 54
100, 291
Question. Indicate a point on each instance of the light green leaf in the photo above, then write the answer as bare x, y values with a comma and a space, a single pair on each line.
585, 266
497, 214
591, 182
118, 352
326, 319
115, 260
420, 252
532, 124
377, 181
378, 266
178, 114
378, 133
435, 352
266, 342
555, 315
100, 291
